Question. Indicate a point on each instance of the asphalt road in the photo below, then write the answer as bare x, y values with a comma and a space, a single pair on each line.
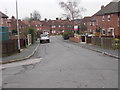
63, 64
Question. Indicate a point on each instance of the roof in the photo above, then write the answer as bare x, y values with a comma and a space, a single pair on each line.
26, 22
35, 23
2, 15
112, 7
86, 19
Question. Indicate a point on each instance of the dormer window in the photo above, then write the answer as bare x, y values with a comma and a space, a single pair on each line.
108, 17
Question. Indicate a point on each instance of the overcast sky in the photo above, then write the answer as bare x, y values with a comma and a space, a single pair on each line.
47, 8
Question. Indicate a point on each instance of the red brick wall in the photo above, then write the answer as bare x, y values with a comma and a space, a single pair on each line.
74, 39
113, 23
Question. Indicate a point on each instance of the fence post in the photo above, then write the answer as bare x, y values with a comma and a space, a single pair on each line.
101, 42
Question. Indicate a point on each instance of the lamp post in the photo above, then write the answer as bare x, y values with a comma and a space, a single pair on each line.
18, 27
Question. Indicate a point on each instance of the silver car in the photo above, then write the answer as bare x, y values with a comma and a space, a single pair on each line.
44, 38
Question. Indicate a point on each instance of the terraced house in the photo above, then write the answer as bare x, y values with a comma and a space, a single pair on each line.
106, 21
4, 33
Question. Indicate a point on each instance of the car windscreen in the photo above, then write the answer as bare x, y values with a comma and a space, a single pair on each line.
44, 35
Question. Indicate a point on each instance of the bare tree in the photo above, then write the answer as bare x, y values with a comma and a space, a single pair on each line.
36, 15
72, 9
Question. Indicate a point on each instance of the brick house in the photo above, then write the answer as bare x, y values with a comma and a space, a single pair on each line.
4, 32
36, 25
3, 19
23, 28
84, 25
57, 26
106, 21
60, 26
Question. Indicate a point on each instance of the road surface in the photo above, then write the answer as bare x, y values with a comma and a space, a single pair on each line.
62, 64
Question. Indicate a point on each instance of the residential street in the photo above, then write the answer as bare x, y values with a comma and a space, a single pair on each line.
62, 64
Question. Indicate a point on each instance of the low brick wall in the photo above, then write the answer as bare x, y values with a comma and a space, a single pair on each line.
74, 39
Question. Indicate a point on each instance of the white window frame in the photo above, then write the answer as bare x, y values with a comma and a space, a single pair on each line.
93, 24
118, 22
109, 18
113, 31
2, 21
103, 18
103, 31
59, 26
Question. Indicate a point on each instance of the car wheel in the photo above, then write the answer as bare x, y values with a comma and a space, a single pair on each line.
48, 41
40, 41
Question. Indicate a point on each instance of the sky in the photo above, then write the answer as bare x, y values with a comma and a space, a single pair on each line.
49, 9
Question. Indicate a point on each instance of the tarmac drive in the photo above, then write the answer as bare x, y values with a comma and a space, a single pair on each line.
62, 64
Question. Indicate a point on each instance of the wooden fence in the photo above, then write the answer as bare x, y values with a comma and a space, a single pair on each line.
106, 42
9, 47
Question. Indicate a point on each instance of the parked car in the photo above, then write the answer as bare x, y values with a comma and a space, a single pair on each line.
44, 38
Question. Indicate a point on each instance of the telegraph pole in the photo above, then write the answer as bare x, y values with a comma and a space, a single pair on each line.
18, 27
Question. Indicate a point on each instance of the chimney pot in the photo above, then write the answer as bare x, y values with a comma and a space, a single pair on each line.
102, 6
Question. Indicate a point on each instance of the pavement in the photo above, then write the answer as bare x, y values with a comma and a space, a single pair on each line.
23, 55
30, 51
109, 52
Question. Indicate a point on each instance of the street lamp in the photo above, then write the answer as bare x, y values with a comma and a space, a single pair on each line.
18, 27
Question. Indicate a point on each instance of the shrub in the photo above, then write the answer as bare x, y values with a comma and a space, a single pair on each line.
33, 34
65, 36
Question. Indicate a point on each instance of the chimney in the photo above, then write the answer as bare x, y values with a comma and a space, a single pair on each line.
45, 19
57, 18
102, 6
13, 17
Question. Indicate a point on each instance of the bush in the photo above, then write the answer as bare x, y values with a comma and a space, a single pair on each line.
65, 36
33, 34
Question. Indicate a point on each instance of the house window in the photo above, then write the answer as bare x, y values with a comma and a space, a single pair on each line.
93, 24
103, 18
118, 22
110, 31
103, 32
9, 25
90, 30
93, 31
2, 21
59, 26
90, 23
108, 17
53, 26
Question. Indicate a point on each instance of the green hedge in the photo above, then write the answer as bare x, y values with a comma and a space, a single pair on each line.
66, 35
